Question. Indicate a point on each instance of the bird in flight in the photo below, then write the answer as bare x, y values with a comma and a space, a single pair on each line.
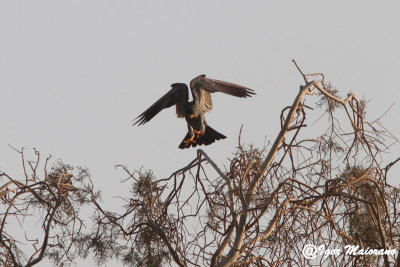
199, 132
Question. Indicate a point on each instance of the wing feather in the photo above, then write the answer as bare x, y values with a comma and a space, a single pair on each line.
178, 95
202, 87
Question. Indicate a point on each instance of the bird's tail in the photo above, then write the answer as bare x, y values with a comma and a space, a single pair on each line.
210, 136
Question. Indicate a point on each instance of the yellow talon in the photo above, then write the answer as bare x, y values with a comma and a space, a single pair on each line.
192, 140
196, 134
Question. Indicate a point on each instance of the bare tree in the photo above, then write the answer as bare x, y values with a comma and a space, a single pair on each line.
328, 188
39, 215
325, 188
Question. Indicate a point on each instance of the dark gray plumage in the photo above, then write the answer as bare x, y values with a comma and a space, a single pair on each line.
199, 133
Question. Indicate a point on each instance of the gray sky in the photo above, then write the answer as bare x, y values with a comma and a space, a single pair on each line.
73, 74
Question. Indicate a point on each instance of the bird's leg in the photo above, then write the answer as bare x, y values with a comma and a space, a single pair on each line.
196, 135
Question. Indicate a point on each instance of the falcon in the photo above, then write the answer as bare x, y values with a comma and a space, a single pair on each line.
199, 132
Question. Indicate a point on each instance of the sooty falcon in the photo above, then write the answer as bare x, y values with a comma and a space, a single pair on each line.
199, 132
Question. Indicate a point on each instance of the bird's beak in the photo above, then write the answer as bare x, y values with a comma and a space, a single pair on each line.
191, 116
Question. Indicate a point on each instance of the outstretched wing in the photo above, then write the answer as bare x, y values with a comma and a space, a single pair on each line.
178, 96
202, 87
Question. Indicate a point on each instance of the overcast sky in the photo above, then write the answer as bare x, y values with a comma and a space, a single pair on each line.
74, 74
